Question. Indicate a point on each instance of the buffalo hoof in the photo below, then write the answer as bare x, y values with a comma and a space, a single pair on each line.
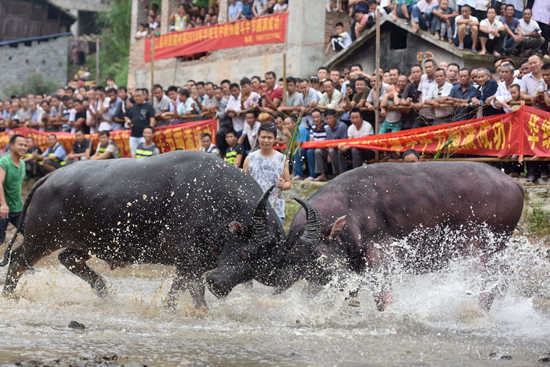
76, 325
100, 288
354, 303
383, 301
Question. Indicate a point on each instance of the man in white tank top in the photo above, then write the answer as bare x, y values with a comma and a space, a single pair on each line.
269, 167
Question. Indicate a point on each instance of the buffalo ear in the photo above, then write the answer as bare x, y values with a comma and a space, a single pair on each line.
337, 227
236, 227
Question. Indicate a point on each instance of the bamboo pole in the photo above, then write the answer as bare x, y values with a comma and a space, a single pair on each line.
152, 63
97, 61
378, 81
284, 77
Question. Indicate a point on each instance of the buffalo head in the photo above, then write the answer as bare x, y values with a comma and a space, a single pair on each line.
259, 254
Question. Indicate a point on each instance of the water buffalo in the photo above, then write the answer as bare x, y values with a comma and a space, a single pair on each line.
180, 209
360, 214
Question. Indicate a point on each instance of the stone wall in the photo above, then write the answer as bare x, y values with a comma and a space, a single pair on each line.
49, 58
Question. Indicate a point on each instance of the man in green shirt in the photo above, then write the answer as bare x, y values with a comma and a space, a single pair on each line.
12, 173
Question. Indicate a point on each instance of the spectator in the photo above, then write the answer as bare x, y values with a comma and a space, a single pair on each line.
233, 109
12, 173
280, 7
427, 83
207, 146
31, 163
359, 128
546, 77
466, 29
422, 14
138, 117
234, 10
334, 130
272, 95
259, 7
363, 21
234, 152
465, 96
161, 105
511, 24
392, 116
179, 19
403, 9
443, 21
503, 95
250, 131
188, 106
300, 156
491, 33
340, 41
411, 98
530, 34
294, 100
81, 148
250, 100
142, 32
411, 156
438, 99
487, 87
311, 98
54, 156
147, 148
106, 149
77, 118
331, 98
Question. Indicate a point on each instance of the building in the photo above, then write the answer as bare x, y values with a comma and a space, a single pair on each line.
84, 11
34, 37
399, 47
304, 48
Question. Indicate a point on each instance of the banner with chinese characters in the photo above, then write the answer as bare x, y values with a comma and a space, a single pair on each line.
256, 31
185, 136
524, 132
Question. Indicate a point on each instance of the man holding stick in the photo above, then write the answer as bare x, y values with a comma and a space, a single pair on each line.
269, 167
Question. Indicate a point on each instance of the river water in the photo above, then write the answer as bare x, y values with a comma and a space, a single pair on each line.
434, 320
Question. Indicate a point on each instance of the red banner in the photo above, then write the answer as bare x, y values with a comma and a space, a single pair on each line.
184, 136
523, 132
261, 30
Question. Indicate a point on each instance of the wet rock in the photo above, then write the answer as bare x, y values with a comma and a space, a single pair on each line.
76, 325
108, 360
504, 357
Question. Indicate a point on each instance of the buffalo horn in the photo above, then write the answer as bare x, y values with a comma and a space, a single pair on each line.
312, 230
259, 220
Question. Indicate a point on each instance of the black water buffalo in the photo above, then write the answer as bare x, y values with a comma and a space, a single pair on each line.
180, 209
360, 214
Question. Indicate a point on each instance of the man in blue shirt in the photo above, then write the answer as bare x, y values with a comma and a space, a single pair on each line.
234, 10
335, 130
465, 96
53, 157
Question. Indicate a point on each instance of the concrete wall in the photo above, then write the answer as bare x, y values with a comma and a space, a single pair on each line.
403, 59
305, 45
49, 58
86, 5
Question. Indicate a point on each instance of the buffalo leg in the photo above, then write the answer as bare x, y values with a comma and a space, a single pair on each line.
179, 284
379, 267
183, 281
196, 288
22, 259
75, 262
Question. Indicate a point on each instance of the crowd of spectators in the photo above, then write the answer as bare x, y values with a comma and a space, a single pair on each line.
334, 104
191, 14
505, 27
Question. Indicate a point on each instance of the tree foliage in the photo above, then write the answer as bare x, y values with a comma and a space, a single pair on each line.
35, 83
114, 42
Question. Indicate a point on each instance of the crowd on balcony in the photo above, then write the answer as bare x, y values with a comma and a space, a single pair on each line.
506, 27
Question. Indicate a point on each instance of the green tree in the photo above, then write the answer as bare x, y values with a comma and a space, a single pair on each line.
34, 84
114, 42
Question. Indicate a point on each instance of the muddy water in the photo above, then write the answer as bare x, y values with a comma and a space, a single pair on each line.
433, 321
